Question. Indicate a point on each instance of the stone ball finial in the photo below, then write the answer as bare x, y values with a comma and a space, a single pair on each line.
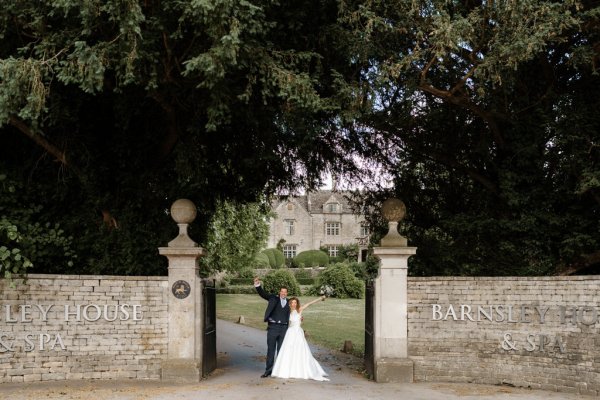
393, 210
183, 211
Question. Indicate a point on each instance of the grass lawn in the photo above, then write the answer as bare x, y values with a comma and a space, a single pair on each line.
327, 323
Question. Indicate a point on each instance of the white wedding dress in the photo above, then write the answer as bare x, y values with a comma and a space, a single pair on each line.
295, 359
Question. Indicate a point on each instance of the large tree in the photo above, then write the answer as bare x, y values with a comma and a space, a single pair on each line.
111, 109
486, 114
236, 234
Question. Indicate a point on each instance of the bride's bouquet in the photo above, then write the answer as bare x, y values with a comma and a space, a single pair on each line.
326, 291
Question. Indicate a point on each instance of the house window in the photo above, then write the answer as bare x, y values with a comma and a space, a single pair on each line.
332, 228
289, 250
364, 230
332, 207
333, 250
289, 226
290, 206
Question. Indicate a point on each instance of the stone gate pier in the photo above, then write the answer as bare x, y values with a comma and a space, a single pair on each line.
390, 312
184, 349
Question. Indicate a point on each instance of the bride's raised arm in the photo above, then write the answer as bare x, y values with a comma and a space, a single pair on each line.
302, 308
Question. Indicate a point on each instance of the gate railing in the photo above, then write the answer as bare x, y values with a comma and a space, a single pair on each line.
209, 340
369, 360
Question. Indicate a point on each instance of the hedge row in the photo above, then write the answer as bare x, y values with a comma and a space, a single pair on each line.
236, 290
250, 281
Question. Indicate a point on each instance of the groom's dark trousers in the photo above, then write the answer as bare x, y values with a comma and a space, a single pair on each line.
277, 317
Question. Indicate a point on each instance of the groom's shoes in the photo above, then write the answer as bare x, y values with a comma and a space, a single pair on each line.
265, 375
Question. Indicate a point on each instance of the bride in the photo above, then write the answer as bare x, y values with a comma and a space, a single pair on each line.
295, 359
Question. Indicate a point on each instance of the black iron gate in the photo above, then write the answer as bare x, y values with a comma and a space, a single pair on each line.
369, 336
209, 339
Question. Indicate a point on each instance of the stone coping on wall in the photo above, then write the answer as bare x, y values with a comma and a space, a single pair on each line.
96, 277
506, 278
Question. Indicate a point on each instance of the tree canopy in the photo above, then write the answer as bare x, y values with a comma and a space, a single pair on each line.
235, 236
486, 114
112, 109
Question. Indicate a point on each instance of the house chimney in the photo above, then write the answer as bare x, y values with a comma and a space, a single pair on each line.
334, 183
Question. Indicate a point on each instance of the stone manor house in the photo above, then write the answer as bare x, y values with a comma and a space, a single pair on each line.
315, 220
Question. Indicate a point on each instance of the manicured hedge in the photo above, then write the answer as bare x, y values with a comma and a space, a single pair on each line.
311, 258
262, 261
276, 257
237, 290
241, 281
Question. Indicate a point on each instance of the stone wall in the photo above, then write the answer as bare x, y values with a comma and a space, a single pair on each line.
83, 327
541, 332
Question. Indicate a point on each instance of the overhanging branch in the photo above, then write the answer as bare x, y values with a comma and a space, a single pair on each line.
466, 103
39, 140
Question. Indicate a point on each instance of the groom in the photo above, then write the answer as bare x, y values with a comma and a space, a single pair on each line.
277, 315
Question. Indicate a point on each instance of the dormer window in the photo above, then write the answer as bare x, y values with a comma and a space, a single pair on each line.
332, 207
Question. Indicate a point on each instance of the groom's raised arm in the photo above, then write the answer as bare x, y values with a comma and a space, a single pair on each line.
260, 290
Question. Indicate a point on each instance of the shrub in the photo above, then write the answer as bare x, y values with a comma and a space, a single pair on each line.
262, 261
306, 281
236, 290
346, 253
241, 281
303, 273
275, 280
359, 269
246, 273
276, 258
279, 258
341, 278
311, 258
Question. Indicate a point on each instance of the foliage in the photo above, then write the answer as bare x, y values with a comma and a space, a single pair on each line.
27, 240
113, 109
485, 116
261, 261
11, 259
346, 253
359, 269
341, 278
241, 281
246, 273
236, 233
280, 244
483, 113
236, 290
303, 273
310, 258
306, 281
275, 256
279, 278
371, 268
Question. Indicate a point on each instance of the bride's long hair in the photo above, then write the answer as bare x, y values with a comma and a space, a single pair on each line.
297, 303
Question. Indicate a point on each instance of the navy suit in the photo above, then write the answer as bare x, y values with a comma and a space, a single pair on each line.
278, 318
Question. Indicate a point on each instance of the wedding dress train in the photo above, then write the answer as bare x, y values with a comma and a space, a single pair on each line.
295, 359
